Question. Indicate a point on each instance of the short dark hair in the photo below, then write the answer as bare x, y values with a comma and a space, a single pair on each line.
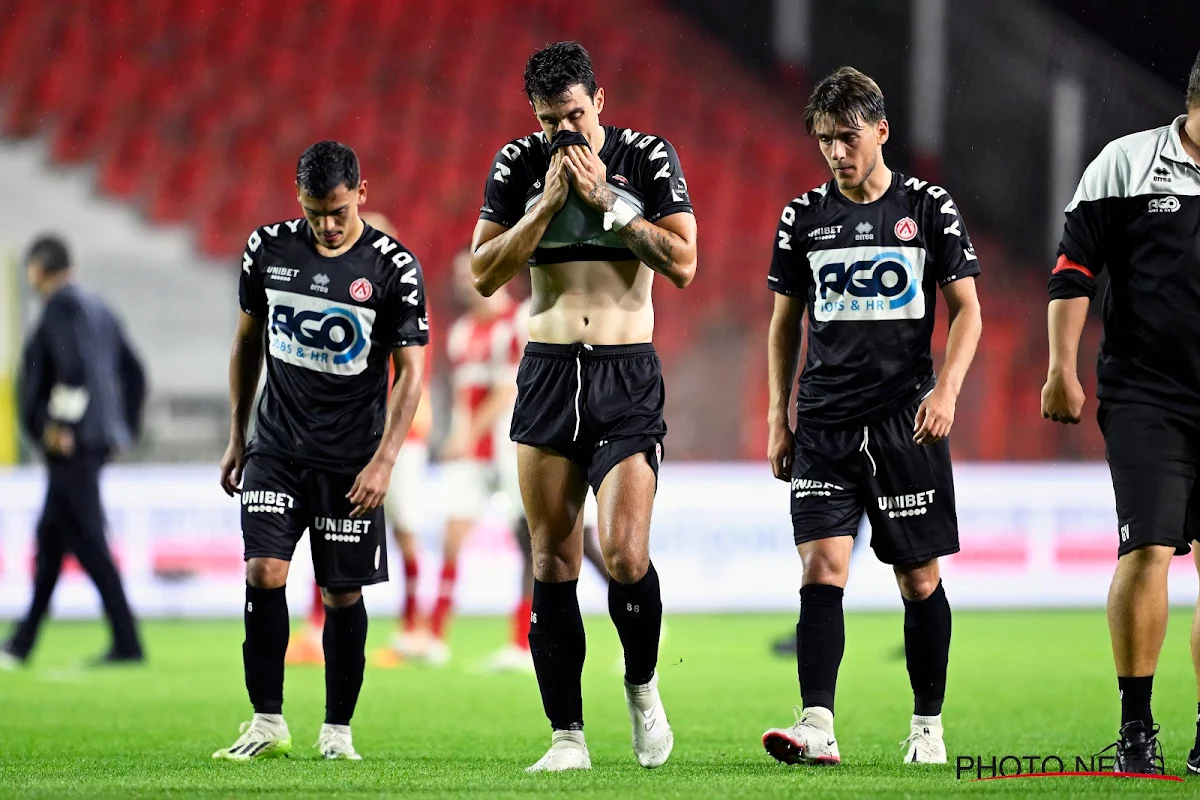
1193, 92
50, 253
552, 71
325, 166
846, 96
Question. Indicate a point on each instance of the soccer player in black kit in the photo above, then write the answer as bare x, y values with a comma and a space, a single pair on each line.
330, 300
595, 211
1136, 213
865, 255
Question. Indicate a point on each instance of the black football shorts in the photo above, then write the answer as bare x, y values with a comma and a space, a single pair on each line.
282, 499
905, 489
1153, 455
594, 404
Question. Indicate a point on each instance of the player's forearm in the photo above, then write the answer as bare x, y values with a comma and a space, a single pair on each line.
660, 250
966, 326
401, 409
496, 261
245, 367
1065, 320
783, 355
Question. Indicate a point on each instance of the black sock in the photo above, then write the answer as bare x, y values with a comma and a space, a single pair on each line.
1135, 700
557, 643
1197, 746
927, 650
636, 611
345, 642
820, 643
266, 620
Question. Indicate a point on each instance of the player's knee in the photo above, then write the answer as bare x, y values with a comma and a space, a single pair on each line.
919, 583
626, 565
1148, 558
341, 598
825, 567
266, 573
551, 567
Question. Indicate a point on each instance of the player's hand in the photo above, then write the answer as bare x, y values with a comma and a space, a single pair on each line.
590, 177
370, 487
232, 464
935, 416
558, 183
1063, 398
58, 440
780, 450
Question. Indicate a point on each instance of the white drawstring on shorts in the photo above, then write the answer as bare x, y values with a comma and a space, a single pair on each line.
578, 388
864, 449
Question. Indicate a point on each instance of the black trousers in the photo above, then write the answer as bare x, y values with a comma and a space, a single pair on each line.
73, 522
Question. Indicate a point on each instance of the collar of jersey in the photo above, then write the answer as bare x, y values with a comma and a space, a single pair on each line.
1172, 148
311, 240
837, 193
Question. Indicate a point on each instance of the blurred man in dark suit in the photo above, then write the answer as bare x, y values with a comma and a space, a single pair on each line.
81, 396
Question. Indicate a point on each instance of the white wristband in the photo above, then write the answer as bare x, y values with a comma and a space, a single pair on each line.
621, 215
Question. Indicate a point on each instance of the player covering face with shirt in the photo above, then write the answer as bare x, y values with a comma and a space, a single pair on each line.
595, 211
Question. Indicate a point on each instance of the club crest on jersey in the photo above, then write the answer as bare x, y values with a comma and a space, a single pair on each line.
906, 229
864, 284
361, 290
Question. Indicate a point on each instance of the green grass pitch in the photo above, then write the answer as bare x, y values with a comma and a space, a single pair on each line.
1020, 683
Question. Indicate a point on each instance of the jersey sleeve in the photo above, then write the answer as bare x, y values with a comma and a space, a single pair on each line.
1089, 218
409, 321
949, 244
252, 294
789, 273
664, 188
503, 196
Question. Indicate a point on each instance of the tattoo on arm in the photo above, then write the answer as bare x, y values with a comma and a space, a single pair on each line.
649, 243
600, 193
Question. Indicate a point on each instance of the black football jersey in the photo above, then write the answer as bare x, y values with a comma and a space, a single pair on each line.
642, 168
870, 275
1136, 214
332, 323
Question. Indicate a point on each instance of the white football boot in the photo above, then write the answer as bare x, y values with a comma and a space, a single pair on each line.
809, 741
334, 743
567, 751
509, 658
652, 735
925, 745
264, 736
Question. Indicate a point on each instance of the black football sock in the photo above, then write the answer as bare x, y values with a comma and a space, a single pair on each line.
266, 620
1135, 700
1196, 748
345, 642
636, 611
927, 650
557, 643
820, 643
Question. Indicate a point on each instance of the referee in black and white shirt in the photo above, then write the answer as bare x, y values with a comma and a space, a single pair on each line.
1136, 213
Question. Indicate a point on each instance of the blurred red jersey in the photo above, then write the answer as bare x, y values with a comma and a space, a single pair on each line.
484, 353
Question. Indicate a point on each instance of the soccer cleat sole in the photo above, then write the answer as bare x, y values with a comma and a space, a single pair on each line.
278, 749
786, 750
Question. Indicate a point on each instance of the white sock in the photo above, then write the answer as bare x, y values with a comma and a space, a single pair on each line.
569, 736
342, 729
927, 722
819, 716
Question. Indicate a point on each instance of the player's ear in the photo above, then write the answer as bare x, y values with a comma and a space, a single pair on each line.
598, 101
362, 193
881, 129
